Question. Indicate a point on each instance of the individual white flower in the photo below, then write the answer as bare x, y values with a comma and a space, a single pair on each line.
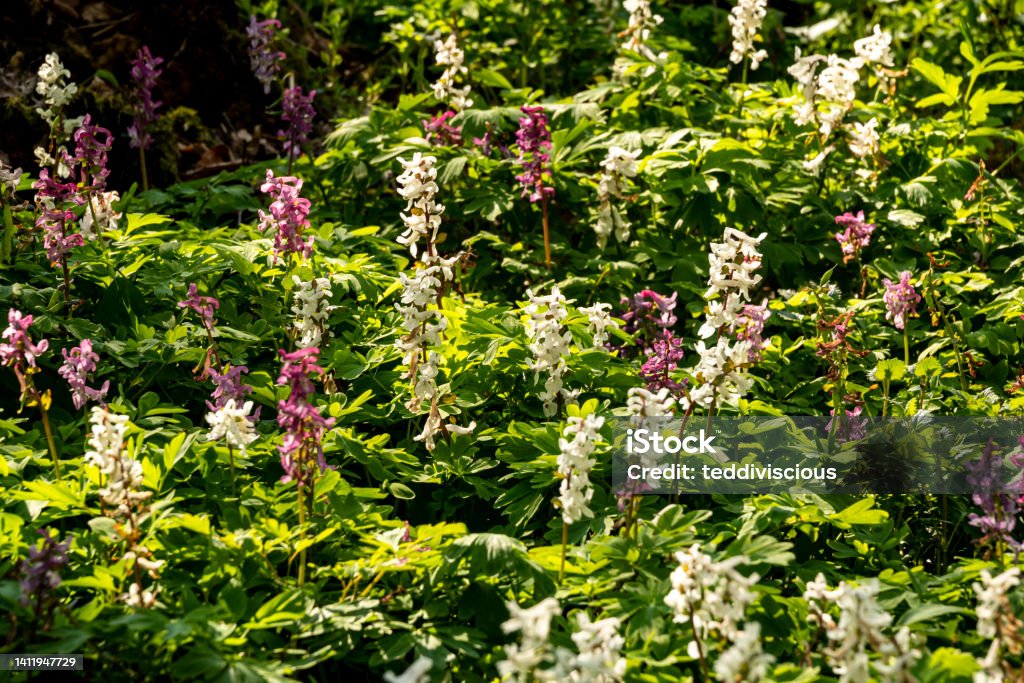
418, 186
813, 165
523, 659
599, 322
744, 660
864, 140
746, 19
876, 48
448, 54
311, 308
99, 215
231, 424
418, 672
576, 446
549, 342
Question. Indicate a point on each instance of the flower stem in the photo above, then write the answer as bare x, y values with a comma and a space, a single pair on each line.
547, 238
49, 440
906, 347
565, 543
231, 461
142, 164
302, 532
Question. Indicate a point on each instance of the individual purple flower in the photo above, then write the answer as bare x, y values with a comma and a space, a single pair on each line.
228, 386
855, 236
297, 113
852, 427
751, 327
265, 61
993, 496
53, 198
663, 357
440, 132
484, 143
289, 215
19, 351
40, 571
534, 140
303, 424
77, 365
205, 306
649, 315
145, 70
92, 144
901, 300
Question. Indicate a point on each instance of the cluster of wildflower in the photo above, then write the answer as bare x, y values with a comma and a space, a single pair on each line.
440, 132
9, 180
618, 165
122, 498
829, 94
641, 20
549, 343
228, 386
298, 113
303, 424
145, 71
100, 215
19, 352
720, 371
712, 596
40, 571
534, 140
864, 139
576, 446
75, 370
92, 145
53, 199
663, 357
523, 660
204, 306
744, 660
600, 652
855, 236
997, 622
599, 322
311, 307
746, 19
417, 185
232, 422
859, 631
643, 405
288, 217
265, 61
900, 299
851, 426
448, 54
57, 93
998, 501
650, 317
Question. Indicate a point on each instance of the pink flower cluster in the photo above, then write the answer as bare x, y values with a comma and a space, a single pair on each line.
901, 300
205, 306
77, 365
534, 140
53, 197
288, 214
19, 352
648, 313
663, 356
303, 424
440, 132
298, 113
92, 144
751, 327
265, 61
145, 70
855, 236
650, 317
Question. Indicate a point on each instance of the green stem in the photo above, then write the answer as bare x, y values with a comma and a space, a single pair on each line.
906, 347
142, 164
547, 238
49, 440
565, 544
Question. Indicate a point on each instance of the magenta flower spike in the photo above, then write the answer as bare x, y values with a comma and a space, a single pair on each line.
289, 215
855, 236
266, 62
145, 70
78, 364
901, 300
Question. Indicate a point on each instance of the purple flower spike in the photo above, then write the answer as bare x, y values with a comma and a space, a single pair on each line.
440, 132
901, 300
205, 306
19, 350
855, 236
289, 215
92, 144
40, 571
145, 70
265, 61
303, 424
77, 365
53, 197
298, 113
534, 140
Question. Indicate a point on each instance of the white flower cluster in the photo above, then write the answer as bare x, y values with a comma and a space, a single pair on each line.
576, 445
9, 178
860, 629
744, 660
829, 94
422, 316
231, 424
100, 215
864, 140
123, 474
549, 342
523, 659
996, 621
711, 596
310, 306
51, 85
641, 20
746, 19
720, 371
418, 672
599, 322
642, 404
417, 185
600, 657
618, 165
448, 54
